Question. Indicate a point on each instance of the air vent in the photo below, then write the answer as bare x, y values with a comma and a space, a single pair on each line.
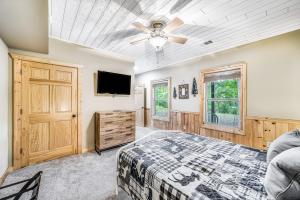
208, 42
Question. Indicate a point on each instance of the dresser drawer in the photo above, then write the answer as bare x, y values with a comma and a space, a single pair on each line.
113, 124
118, 130
107, 141
116, 116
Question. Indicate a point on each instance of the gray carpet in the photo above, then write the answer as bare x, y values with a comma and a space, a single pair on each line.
87, 176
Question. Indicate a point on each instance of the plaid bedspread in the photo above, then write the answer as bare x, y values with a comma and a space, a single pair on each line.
172, 165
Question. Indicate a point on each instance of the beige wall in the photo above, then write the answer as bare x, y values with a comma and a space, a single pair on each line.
92, 62
273, 76
4, 117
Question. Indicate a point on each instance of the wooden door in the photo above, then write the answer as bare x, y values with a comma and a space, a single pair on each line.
49, 118
139, 102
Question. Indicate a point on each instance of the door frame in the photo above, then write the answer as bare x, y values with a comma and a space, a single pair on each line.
17, 108
144, 107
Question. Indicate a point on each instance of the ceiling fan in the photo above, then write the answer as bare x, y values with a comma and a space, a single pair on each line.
159, 33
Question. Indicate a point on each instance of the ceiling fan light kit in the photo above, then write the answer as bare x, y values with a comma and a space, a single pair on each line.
158, 34
158, 41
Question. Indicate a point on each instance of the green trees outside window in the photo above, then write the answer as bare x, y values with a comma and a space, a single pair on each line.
161, 95
222, 102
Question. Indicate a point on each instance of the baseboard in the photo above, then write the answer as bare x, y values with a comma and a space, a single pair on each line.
89, 149
7, 171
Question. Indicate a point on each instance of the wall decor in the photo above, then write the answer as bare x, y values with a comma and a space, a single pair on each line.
174, 93
194, 87
183, 91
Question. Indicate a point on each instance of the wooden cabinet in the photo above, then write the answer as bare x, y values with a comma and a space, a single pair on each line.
257, 127
269, 133
114, 128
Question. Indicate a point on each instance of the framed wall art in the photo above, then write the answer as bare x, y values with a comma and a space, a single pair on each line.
183, 91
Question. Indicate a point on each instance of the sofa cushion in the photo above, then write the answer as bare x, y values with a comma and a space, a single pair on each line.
284, 142
282, 180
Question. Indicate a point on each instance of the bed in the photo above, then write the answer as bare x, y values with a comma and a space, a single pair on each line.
175, 165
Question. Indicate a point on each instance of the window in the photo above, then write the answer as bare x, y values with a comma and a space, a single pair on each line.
223, 98
161, 99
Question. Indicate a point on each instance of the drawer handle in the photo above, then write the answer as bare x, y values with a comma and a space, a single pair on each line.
110, 138
128, 134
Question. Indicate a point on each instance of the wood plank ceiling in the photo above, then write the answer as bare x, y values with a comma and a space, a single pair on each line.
105, 25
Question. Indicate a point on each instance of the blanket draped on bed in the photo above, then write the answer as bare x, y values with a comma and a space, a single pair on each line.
179, 166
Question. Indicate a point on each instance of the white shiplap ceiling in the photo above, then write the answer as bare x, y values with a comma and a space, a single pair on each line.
105, 25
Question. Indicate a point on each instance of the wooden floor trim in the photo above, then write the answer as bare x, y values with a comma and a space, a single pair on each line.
6, 173
88, 149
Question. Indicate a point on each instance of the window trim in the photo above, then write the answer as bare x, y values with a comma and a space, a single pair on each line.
243, 98
153, 82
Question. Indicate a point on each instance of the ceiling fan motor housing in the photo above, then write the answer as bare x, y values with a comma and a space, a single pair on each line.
158, 25
157, 29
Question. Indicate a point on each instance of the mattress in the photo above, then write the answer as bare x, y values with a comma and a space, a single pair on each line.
175, 165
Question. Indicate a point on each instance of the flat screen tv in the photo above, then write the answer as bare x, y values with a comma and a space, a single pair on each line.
113, 83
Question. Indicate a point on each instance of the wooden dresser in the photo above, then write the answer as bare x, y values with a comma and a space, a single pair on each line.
114, 128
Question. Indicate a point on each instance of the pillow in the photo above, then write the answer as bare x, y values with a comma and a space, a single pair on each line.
282, 180
284, 142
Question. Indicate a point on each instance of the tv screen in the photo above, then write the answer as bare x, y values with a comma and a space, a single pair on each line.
113, 83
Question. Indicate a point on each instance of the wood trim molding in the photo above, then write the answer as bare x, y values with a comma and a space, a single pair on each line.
243, 98
43, 60
273, 119
88, 149
17, 109
162, 80
219, 68
79, 111
6, 173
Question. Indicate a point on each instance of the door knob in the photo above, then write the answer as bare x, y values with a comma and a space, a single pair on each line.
74, 115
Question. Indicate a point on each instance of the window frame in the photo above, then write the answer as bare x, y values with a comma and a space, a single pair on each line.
154, 82
242, 98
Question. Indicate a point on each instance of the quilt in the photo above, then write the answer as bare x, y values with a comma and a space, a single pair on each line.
170, 165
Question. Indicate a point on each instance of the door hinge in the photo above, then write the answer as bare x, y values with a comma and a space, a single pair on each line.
21, 151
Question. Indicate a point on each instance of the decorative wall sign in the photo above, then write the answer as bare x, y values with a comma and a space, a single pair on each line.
194, 87
183, 91
174, 93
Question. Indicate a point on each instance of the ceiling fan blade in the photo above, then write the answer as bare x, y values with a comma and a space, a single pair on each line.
122, 34
177, 39
173, 25
138, 40
141, 27
180, 4
134, 7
